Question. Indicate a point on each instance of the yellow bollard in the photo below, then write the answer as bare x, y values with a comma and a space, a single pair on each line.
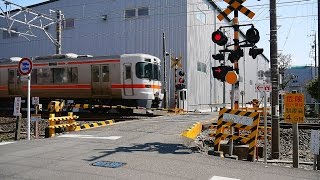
71, 120
52, 123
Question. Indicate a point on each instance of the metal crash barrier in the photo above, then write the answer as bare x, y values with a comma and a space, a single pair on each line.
61, 124
246, 121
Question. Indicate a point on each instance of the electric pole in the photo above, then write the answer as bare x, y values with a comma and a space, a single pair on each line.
318, 159
59, 32
275, 142
165, 95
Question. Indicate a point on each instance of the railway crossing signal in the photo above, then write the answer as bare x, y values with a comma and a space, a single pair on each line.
219, 56
235, 5
220, 72
219, 38
180, 85
252, 35
254, 52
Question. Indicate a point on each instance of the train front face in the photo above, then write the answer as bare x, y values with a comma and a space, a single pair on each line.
141, 79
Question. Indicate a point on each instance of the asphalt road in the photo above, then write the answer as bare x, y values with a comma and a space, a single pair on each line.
148, 149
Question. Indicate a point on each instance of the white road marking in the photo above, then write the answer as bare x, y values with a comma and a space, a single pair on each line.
222, 178
89, 136
5, 143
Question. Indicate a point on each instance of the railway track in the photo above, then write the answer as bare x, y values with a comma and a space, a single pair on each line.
314, 126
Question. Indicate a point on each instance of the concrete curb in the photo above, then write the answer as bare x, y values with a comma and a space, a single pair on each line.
193, 131
94, 125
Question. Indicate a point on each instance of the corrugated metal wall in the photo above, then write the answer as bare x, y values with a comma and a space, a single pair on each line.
187, 24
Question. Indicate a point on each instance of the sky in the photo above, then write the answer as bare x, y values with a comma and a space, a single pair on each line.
297, 26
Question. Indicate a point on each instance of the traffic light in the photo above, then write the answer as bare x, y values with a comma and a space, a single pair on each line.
218, 56
254, 52
219, 38
220, 72
252, 35
235, 55
180, 85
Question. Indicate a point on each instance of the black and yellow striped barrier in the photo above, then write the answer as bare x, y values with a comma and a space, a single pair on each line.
248, 121
59, 123
93, 125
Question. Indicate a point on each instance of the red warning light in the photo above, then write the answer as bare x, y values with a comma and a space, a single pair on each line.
219, 38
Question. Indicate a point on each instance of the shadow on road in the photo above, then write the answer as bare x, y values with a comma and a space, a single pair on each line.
161, 148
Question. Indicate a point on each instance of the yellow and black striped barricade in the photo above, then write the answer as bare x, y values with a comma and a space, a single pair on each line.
248, 121
66, 122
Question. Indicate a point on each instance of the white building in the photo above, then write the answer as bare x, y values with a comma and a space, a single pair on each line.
112, 27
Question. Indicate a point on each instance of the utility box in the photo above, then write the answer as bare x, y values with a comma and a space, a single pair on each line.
182, 99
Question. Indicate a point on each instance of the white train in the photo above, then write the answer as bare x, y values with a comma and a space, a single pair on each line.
128, 79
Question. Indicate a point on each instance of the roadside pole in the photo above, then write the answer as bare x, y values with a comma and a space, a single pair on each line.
295, 140
25, 68
315, 145
265, 128
28, 101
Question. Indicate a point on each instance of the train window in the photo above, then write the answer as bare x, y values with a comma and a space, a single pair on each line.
60, 75
34, 76
128, 72
73, 72
148, 70
11, 76
105, 74
95, 73
156, 72
44, 76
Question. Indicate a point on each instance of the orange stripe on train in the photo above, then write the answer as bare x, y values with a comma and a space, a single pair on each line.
137, 86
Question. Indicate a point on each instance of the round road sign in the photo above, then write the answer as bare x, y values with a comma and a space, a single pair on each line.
25, 66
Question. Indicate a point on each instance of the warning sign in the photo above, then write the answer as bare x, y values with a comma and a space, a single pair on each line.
294, 108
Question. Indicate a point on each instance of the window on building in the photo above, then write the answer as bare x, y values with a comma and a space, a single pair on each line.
143, 11
7, 35
199, 66
130, 13
201, 16
202, 67
68, 23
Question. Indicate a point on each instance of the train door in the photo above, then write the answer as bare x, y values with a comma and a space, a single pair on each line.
127, 79
100, 80
14, 82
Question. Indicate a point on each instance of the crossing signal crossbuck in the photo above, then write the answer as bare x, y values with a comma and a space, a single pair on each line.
220, 72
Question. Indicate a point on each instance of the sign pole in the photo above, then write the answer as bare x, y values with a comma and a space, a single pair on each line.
25, 68
295, 145
29, 83
265, 127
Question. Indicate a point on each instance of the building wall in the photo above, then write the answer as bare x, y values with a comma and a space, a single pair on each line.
301, 75
187, 26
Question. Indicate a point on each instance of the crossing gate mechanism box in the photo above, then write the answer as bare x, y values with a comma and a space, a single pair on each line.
248, 121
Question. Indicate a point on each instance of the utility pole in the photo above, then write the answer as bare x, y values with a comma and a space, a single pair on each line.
318, 159
275, 145
59, 32
165, 95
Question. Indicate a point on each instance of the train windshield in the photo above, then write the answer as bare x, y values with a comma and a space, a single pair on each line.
148, 71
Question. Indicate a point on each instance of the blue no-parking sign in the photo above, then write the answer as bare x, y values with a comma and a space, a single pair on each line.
25, 66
